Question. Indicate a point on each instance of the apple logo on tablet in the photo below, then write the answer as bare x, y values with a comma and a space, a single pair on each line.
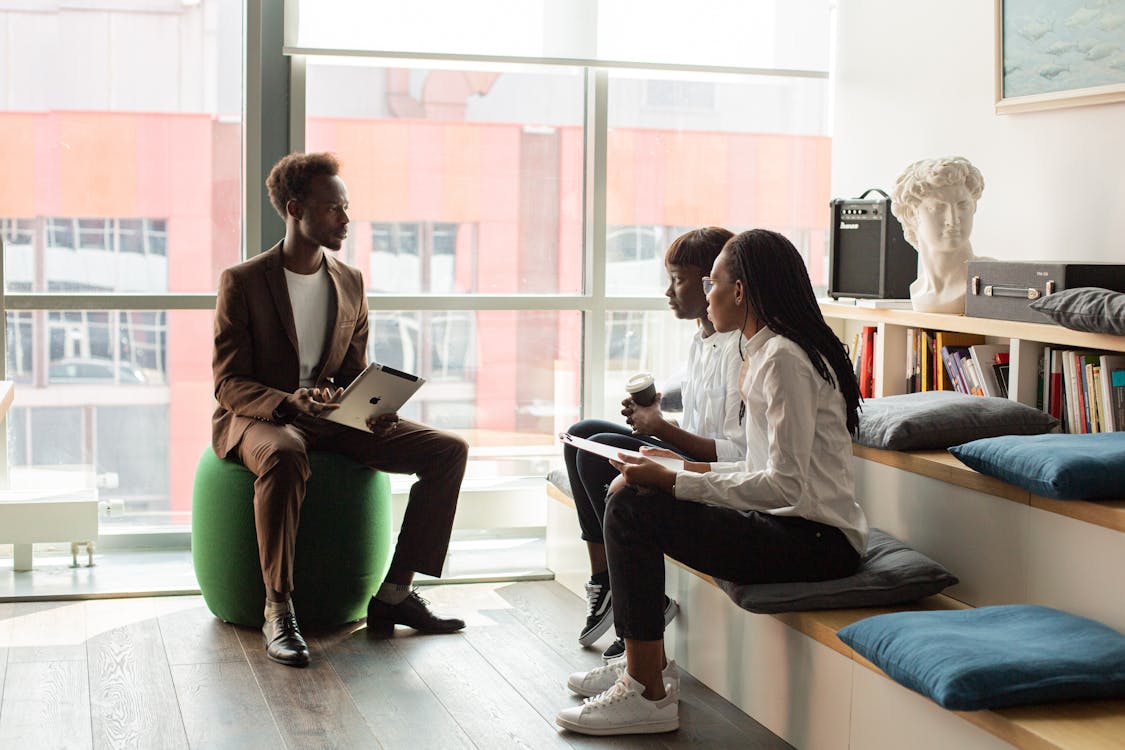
375, 400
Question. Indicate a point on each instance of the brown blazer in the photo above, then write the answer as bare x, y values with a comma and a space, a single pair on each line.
255, 361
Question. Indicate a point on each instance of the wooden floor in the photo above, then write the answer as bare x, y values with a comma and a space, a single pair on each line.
163, 673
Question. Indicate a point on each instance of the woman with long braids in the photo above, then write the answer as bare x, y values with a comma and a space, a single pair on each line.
786, 513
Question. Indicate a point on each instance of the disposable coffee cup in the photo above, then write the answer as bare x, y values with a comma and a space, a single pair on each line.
642, 388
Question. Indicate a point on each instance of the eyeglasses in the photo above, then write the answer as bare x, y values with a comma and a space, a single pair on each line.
708, 285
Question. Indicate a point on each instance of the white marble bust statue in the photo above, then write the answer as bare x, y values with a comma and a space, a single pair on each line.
935, 200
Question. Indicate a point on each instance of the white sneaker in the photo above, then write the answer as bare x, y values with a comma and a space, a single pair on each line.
600, 679
623, 710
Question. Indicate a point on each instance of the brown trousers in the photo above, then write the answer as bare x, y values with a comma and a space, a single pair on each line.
278, 456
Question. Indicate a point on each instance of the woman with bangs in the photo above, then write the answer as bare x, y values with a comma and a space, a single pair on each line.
710, 430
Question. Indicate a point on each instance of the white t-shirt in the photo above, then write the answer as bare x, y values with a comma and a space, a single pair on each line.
799, 460
309, 296
711, 396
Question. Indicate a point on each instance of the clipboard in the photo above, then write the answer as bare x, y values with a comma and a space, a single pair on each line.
613, 454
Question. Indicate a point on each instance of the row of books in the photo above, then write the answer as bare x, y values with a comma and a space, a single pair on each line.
946, 360
1085, 390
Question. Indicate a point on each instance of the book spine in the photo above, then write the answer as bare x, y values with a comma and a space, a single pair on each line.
1068, 391
975, 379
1079, 393
964, 361
1105, 392
1117, 382
1001, 371
1096, 389
867, 373
948, 359
1056, 402
1043, 392
1091, 398
931, 361
911, 339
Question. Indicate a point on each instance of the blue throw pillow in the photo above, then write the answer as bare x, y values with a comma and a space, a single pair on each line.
991, 657
1065, 467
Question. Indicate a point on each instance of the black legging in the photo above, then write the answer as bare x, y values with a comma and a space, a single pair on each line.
590, 475
748, 547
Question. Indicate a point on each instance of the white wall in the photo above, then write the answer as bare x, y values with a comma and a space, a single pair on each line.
915, 80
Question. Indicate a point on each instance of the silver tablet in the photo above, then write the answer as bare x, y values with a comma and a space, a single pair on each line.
377, 390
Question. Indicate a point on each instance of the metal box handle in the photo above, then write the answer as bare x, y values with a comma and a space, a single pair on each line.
1021, 292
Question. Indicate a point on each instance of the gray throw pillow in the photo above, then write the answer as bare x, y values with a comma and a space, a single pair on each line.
890, 573
1085, 308
559, 478
939, 419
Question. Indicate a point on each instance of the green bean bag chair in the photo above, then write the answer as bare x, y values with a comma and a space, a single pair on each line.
343, 543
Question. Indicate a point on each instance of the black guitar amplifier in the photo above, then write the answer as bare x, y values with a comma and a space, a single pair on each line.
867, 255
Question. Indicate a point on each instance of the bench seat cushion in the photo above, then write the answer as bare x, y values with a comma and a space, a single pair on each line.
890, 573
1064, 467
992, 657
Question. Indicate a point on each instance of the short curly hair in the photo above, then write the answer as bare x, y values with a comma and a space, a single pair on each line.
289, 179
921, 178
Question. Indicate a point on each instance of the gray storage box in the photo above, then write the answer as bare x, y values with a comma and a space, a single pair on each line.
1003, 289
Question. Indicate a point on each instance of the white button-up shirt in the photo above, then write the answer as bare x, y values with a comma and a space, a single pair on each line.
799, 453
711, 395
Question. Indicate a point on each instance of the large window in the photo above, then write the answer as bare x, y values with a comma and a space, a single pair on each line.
121, 196
461, 181
514, 186
466, 182
697, 150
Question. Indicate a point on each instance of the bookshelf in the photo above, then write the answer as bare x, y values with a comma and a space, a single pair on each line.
1026, 340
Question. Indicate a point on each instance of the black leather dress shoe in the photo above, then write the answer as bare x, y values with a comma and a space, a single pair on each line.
412, 612
284, 642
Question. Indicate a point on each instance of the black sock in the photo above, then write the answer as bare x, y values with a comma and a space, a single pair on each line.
601, 579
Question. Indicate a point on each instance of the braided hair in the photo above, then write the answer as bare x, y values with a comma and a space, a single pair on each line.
778, 288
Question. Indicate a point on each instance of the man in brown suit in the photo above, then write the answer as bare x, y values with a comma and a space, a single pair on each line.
290, 333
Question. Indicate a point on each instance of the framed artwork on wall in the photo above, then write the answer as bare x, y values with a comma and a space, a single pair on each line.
1059, 53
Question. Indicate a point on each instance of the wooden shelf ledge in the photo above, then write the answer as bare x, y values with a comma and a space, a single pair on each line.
1045, 333
942, 465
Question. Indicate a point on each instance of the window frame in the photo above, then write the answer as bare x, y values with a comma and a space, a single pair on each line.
273, 124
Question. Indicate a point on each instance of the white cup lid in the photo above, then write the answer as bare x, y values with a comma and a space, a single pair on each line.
638, 382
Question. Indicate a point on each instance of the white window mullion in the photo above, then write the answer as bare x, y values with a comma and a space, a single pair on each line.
594, 222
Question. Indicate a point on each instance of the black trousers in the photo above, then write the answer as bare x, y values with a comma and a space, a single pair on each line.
590, 475
740, 547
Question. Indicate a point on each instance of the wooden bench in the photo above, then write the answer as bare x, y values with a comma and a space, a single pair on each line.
1073, 725
943, 466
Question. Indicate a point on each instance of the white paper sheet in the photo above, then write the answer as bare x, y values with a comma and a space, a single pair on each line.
608, 451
